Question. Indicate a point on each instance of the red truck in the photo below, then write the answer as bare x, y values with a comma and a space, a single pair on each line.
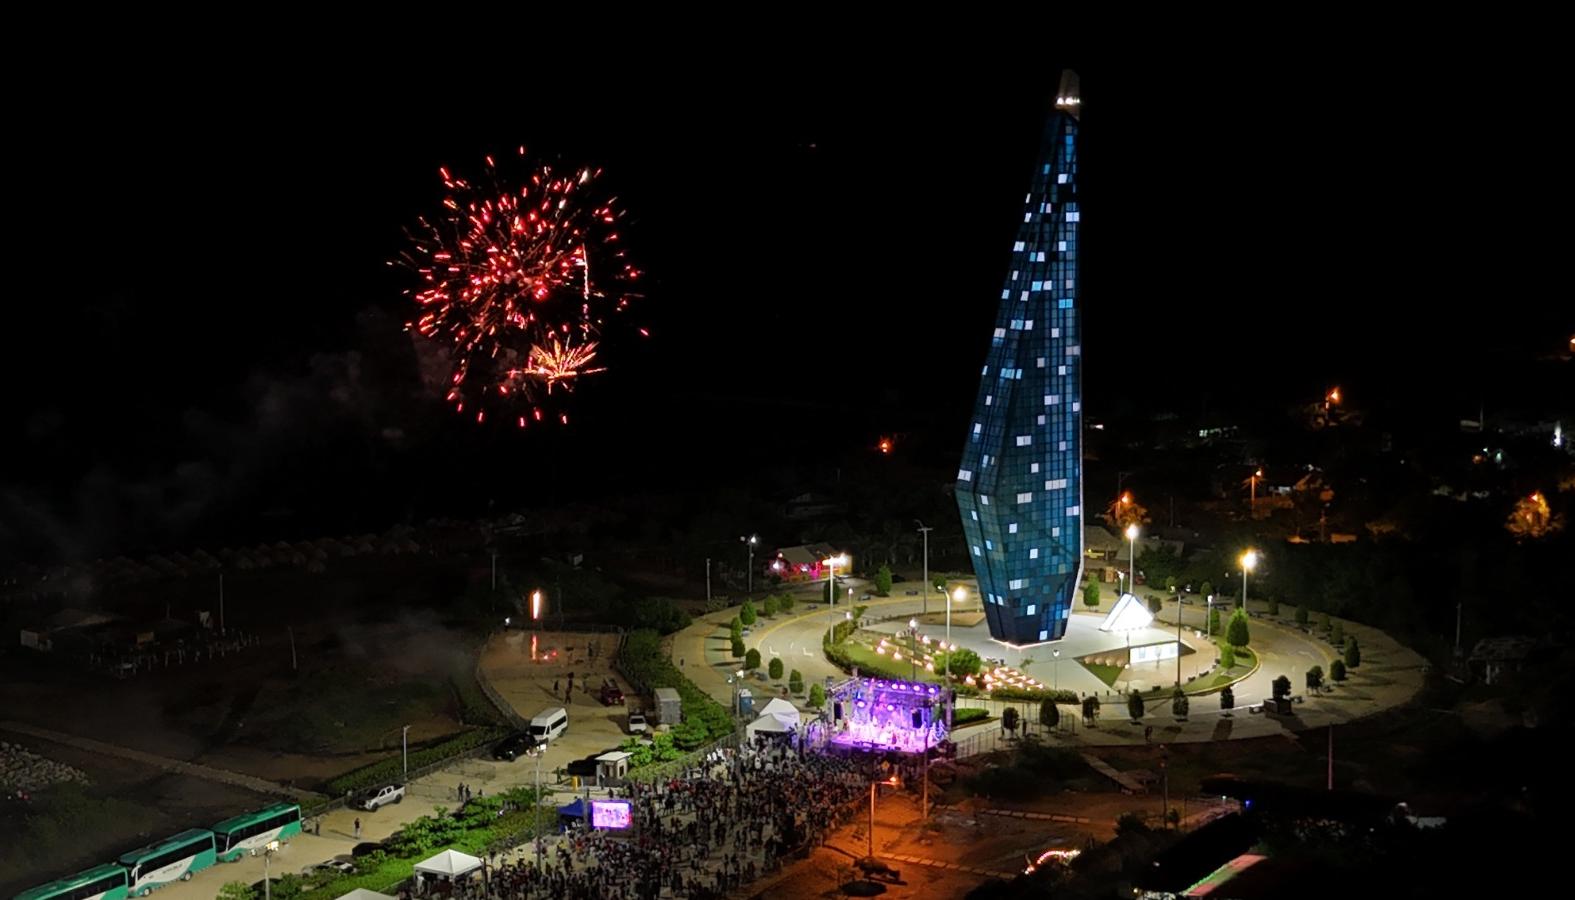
611, 694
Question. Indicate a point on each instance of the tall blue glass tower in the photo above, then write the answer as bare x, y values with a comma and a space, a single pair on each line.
1020, 486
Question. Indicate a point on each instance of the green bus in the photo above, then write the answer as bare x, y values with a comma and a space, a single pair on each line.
156, 865
98, 883
249, 833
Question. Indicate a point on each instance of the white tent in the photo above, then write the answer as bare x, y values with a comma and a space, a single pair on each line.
776, 717
364, 894
781, 709
449, 864
767, 725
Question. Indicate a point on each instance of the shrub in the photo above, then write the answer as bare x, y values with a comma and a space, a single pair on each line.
961, 662
1009, 719
1282, 687
1337, 670
1091, 594
1206, 588
661, 613
785, 602
643, 663
768, 606
1170, 584
1274, 606
1353, 654
735, 628
1178, 703
752, 659
1090, 708
796, 682
775, 668
883, 581
737, 647
1049, 713
1314, 678
1301, 616
967, 714
817, 696
1135, 705
236, 890
747, 614
1323, 620
1214, 621
1337, 634
1155, 604
1236, 633
1227, 657
1227, 698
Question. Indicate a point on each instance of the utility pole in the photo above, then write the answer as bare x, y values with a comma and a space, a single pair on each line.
404, 749
925, 606
494, 572
708, 582
1331, 756
292, 648
1178, 638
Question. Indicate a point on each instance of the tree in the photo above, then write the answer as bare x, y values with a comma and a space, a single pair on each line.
1179, 703
1337, 670
1227, 657
1090, 709
796, 682
817, 696
1135, 705
1337, 634
1009, 720
962, 663
1170, 584
775, 668
1154, 604
1091, 593
1282, 687
1124, 511
738, 647
735, 628
752, 659
883, 581
785, 602
1236, 633
1323, 620
1274, 606
1049, 714
1206, 588
236, 890
768, 606
1214, 621
1353, 654
1315, 678
747, 614
1301, 615
1227, 700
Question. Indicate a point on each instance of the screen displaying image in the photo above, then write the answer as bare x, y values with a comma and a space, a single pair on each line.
610, 814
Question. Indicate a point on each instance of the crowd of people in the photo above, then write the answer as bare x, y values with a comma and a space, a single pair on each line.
700, 834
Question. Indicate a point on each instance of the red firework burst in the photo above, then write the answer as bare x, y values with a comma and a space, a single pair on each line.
517, 282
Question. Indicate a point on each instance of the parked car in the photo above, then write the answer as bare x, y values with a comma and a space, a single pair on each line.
636, 722
382, 796
341, 864
365, 848
611, 694
514, 746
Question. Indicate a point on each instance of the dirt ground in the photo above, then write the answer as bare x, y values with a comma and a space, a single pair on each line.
167, 804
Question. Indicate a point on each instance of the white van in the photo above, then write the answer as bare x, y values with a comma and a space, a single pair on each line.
549, 723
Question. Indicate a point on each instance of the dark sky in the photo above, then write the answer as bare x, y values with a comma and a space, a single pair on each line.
202, 313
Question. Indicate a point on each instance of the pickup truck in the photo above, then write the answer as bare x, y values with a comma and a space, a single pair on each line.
382, 796
611, 694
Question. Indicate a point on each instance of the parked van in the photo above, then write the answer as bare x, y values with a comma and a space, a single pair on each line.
549, 723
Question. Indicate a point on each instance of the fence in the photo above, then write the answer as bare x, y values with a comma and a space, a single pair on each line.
658, 771
504, 708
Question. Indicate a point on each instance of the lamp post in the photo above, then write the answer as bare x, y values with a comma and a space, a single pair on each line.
958, 596
268, 852
1208, 618
708, 582
831, 577
537, 751
1252, 503
1178, 638
1055, 653
1132, 533
404, 749
925, 606
1249, 561
891, 781
913, 647
749, 576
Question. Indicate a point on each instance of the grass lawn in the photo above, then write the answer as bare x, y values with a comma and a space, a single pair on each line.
877, 664
1107, 674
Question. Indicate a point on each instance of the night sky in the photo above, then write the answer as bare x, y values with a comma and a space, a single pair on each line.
203, 336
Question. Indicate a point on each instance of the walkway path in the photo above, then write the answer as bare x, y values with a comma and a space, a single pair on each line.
163, 763
1128, 783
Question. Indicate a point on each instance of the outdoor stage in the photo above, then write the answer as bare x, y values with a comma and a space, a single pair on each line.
883, 716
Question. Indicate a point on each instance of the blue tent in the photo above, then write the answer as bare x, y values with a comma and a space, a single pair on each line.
576, 810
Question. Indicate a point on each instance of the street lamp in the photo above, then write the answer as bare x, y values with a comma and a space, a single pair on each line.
1132, 533
913, 646
925, 606
749, 576
1208, 618
268, 852
959, 594
1055, 684
1249, 561
404, 749
538, 751
831, 563
891, 781
1252, 503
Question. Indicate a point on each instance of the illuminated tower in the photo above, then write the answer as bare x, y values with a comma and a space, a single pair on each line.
1020, 486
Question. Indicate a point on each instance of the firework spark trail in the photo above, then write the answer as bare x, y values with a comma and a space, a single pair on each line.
517, 283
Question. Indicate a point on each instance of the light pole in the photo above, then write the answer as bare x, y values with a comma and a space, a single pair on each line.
1132, 533
404, 749
1253, 501
268, 852
1055, 683
537, 751
831, 577
1249, 561
891, 781
925, 606
708, 582
958, 595
1208, 619
749, 576
913, 647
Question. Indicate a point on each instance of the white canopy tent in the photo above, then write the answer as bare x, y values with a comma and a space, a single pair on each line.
449, 864
781, 709
776, 717
767, 725
364, 894
1129, 614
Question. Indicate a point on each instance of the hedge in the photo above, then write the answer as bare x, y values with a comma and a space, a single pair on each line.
1035, 696
474, 707
392, 769
966, 714
641, 661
